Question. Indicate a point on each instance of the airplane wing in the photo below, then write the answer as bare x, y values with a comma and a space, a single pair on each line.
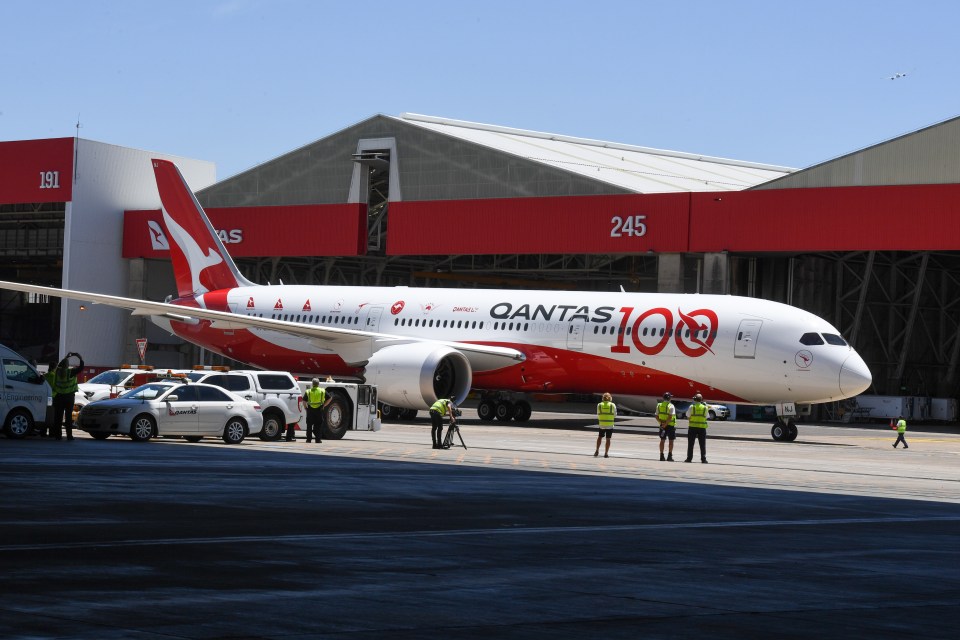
353, 345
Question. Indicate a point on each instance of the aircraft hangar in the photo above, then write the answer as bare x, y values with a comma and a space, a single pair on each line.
870, 241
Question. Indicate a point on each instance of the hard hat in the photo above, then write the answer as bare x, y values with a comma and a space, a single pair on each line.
667, 395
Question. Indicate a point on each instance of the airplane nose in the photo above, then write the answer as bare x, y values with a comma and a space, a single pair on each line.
855, 377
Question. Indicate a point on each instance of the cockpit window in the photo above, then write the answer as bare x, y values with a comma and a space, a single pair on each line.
833, 338
811, 338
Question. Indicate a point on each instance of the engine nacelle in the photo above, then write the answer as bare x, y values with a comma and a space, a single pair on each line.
415, 375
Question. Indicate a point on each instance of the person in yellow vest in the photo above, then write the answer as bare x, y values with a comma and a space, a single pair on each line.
316, 401
697, 429
439, 409
63, 381
901, 428
606, 412
667, 418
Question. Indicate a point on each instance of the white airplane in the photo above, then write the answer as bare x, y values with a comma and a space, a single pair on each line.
420, 344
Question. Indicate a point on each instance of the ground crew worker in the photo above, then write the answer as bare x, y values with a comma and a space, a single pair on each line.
606, 412
316, 400
667, 417
440, 408
63, 383
697, 429
901, 428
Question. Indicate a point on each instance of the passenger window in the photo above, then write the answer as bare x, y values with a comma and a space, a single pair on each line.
833, 338
810, 339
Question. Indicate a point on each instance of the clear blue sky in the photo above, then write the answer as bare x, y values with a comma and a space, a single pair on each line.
239, 82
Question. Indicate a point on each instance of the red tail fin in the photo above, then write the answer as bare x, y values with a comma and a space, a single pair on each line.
200, 261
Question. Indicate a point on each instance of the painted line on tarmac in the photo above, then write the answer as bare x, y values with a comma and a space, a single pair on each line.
453, 533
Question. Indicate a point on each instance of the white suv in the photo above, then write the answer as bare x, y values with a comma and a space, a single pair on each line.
277, 392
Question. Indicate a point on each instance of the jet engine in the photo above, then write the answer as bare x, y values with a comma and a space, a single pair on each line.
415, 375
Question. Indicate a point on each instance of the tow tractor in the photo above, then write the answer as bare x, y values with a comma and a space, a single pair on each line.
353, 406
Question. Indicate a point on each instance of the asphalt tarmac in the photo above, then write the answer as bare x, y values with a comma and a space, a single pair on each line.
523, 534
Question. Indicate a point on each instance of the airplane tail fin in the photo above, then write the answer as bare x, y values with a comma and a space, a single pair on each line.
200, 261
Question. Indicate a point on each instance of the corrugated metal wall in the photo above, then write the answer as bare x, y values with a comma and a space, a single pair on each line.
927, 156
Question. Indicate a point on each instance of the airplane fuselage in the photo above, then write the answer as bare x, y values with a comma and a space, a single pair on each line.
729, 348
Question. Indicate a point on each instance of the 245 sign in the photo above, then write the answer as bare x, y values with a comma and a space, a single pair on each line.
694, 333
628, 226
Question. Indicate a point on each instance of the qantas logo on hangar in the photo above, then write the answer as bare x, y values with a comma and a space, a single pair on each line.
159, 242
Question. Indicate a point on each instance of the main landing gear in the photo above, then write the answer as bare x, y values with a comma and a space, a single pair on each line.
502, 407
784, 429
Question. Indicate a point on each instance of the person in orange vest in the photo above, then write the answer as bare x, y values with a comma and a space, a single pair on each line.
606, 412
901, 428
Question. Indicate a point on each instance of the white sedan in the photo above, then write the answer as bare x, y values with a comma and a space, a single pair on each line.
714, 411
171, 408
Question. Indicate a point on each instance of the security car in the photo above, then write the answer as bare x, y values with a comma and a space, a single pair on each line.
173, 408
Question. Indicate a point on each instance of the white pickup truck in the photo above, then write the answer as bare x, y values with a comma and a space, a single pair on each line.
276, 391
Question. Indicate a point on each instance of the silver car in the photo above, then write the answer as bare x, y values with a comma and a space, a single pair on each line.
172, 408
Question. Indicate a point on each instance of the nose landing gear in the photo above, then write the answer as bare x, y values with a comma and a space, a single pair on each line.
784, 430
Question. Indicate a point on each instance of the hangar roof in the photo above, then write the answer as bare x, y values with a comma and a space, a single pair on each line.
634, 168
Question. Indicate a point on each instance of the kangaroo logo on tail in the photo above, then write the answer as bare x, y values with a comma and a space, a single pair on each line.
200, 261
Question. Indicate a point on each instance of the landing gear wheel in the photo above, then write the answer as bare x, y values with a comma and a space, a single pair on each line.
408, 414
193, 438
522, 411
778, 431
504, 411
792, 431
99, 435
486, 411
388, 411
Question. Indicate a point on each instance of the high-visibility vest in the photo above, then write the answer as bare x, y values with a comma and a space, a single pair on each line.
606, 412
440, 406
62, 384
901, 426
697, 413
316, 396
663, 413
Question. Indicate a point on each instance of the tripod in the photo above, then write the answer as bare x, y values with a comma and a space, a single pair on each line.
448, 439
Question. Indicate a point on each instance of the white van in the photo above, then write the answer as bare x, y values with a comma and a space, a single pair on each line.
24, 394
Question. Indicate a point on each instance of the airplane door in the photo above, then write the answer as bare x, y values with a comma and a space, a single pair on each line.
746, 346
373, 319
575, 335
